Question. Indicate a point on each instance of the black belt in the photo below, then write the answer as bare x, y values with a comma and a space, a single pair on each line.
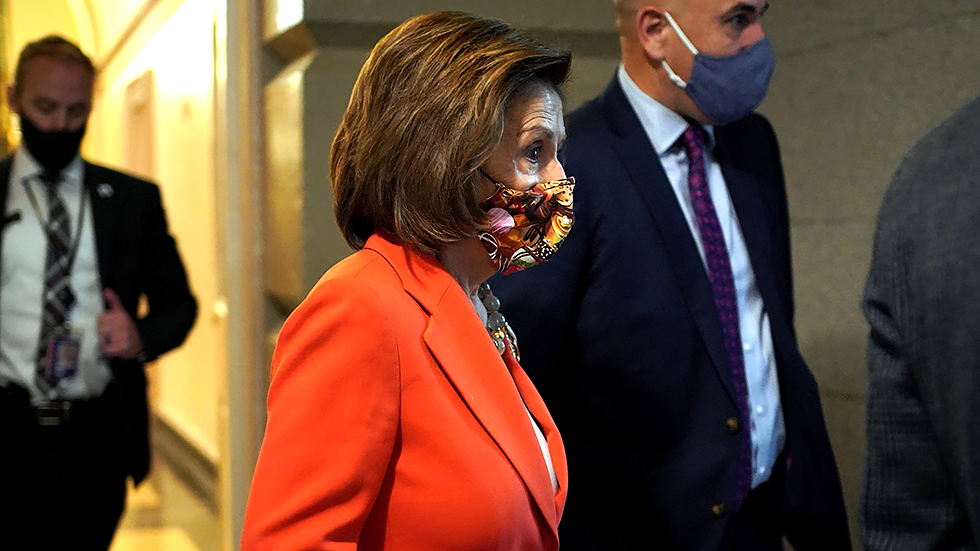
55, 412
52, 412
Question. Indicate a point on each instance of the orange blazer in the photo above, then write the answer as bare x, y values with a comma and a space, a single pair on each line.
394, 424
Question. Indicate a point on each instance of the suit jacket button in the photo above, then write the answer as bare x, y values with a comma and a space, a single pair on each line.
719, 510
733, 425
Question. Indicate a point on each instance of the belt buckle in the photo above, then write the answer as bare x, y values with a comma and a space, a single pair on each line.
52, 413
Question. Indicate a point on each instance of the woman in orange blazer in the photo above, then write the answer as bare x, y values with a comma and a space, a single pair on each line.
399, 418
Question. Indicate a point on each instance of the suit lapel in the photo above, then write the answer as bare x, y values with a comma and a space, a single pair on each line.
746, 196
459, 343
647, 175
103, 218
6, 166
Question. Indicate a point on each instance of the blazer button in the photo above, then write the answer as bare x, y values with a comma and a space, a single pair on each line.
733, 425
719, 510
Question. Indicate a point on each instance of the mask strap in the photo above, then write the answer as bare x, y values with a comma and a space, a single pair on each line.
687, 42
673, 76
680, 33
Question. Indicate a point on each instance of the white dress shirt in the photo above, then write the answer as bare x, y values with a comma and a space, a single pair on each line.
664, 128
22, 282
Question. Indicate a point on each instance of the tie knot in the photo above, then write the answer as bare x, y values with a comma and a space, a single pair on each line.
693, 140
50, 177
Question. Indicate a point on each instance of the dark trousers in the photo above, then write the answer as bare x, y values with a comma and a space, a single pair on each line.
756, 525
61, 486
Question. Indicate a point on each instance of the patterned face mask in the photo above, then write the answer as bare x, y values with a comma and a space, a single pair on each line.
527, 227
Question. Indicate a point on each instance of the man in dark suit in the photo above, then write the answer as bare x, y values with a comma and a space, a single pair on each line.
922, 464
661, 334
81, 246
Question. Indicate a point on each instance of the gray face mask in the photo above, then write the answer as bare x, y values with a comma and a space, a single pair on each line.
726, 89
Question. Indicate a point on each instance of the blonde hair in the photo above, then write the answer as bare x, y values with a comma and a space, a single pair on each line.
426, 112
55, 47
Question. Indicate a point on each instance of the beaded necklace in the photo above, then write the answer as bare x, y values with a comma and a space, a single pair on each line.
501, 333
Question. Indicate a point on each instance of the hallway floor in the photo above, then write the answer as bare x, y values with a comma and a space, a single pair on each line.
165, 515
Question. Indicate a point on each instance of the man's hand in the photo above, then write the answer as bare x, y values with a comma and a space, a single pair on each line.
118, 337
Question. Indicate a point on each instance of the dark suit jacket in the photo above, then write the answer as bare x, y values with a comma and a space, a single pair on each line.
620, 333
137, 257
922, 465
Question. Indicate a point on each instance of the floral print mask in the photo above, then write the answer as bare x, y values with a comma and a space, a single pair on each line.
527, 227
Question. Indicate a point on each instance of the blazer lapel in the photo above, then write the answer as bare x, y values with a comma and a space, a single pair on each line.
535, 404
475, 368
647, 175
100, 194
459, 343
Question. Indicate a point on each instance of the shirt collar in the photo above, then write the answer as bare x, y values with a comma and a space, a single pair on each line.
663, 126
25, 166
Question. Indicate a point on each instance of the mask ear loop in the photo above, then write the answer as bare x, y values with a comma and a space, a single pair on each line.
487, 176
500, 187
687, 42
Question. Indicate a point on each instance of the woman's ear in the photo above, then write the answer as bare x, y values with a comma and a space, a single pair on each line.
651, 28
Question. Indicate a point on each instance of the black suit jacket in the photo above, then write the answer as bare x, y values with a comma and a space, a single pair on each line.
620, 333
137, 257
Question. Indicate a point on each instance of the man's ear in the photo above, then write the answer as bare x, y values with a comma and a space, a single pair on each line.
651, 28
12, 101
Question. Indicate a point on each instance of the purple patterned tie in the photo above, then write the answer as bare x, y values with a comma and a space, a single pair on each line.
58, 296
723, 289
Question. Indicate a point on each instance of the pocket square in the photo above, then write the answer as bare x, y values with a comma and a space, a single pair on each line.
105, 191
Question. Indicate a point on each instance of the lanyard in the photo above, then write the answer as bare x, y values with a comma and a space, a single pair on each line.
73, 249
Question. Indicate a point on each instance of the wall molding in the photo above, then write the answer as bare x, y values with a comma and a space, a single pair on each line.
300, 39
150, 18
187, 462
127, 34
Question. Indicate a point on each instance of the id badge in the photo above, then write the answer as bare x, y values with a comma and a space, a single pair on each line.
62, 361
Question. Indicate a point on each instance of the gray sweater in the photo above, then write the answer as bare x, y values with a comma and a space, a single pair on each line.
922, 300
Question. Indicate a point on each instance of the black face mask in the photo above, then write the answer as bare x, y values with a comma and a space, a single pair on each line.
52, 150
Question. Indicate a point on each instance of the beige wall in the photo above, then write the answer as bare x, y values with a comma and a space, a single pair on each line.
111, 19
180, 56
95, 24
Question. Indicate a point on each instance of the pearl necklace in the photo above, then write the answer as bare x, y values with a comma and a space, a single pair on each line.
501, 333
